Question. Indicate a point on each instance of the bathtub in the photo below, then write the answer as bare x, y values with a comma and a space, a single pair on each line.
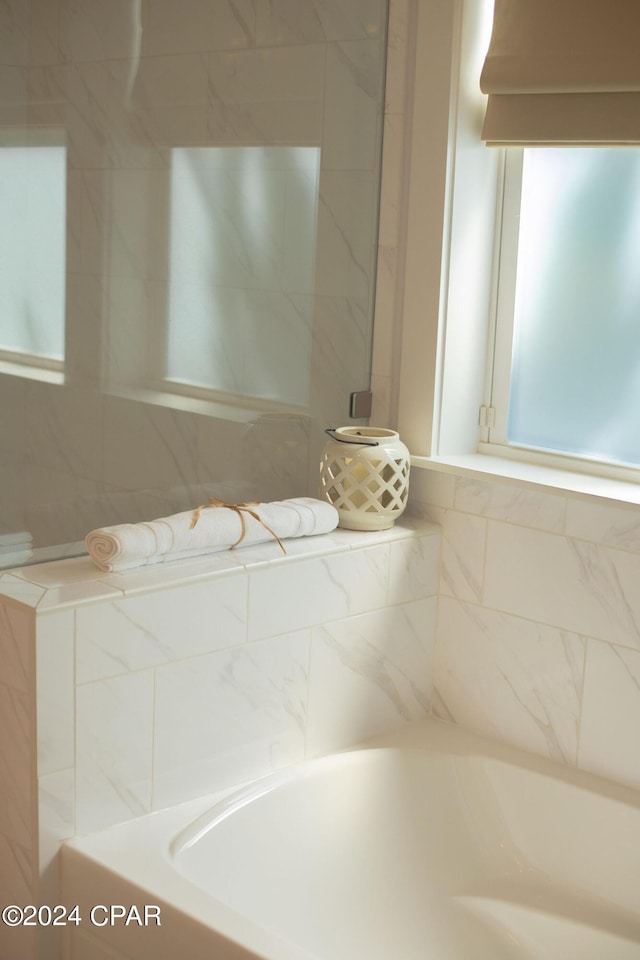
424, 844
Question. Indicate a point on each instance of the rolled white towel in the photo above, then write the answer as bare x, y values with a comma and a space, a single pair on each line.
207, 529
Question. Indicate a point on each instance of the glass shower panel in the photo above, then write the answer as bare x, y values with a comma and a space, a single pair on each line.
201, 264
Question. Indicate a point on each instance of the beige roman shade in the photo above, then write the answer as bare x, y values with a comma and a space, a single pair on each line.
563, 72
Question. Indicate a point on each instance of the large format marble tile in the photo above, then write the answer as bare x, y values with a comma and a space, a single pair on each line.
414, 569
114, 736
17, 885
611, 713
352, 94
168, 437
563, 582
16, 765
509, 678
605, 523
431, 489
85, 297
514, 503
17, 633
56, 823
270, 122
138, 230
14, 37
86, 944
229, 717
46, 486
345, 263
142, 580
65, 429
140, 631
13, 97
13, 515
197, 25
56, 811
279, 74
316, 21
172, 81
272, 96
291, 596
91, 30
463, 555
340, 337
81, 91
29, 595
369, 673
55, 695
13, 397
44, 46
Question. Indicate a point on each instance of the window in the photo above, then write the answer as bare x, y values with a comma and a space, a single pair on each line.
566, 365
242, 246
542, 335
32, 254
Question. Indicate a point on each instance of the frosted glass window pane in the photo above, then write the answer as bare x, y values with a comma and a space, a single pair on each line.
243, 226
32, 250
576, 358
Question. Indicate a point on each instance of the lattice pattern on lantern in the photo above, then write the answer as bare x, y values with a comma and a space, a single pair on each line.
368, 485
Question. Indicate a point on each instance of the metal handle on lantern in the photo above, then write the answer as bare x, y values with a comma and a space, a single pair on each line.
331, 432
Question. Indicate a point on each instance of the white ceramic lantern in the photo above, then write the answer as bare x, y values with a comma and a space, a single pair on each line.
364, 473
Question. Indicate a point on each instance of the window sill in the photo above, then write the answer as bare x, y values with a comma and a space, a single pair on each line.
179, 401
483, 466
31, 372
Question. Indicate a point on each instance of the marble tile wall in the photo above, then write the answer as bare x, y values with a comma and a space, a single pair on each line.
160, 685
538, 636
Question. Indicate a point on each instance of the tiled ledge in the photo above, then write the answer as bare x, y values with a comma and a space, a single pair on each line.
68, 583
224, 670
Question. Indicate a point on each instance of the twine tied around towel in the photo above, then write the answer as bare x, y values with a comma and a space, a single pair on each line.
240, 509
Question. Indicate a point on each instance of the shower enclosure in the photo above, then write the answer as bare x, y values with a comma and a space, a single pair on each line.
188, 226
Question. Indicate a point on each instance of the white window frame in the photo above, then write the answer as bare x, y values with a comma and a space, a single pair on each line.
493, 423
453, 209
450, 203
493, 420
18, 362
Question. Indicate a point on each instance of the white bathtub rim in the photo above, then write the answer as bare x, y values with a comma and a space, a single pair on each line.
166, 825
120, 850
